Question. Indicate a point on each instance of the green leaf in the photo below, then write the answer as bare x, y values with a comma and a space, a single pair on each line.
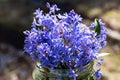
97, 27
104, 54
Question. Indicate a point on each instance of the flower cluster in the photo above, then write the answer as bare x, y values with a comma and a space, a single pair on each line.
62, 40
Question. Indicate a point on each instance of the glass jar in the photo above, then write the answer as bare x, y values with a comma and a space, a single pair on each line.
41, 73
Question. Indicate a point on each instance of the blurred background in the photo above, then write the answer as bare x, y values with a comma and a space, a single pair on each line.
17, 15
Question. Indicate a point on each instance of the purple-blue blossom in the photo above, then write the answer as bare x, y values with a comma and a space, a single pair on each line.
98, 74
62, 40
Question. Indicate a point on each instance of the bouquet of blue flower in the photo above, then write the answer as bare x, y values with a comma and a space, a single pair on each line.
63, 46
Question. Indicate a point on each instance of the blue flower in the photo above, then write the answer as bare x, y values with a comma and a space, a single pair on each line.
98, 74
99, 62
53, 8
62, 40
